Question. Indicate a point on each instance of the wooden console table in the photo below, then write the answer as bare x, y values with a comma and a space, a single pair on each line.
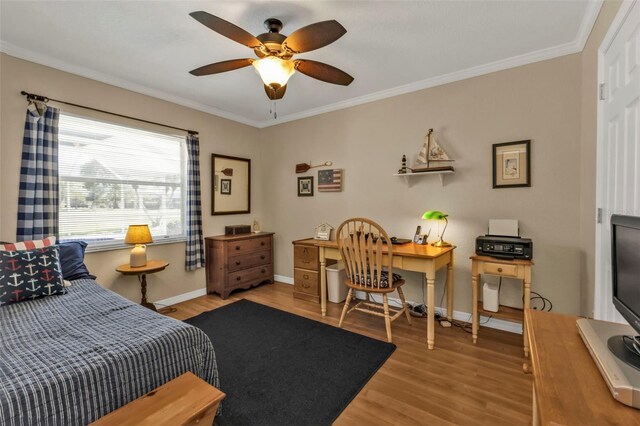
516, 268
568, 388
410, 257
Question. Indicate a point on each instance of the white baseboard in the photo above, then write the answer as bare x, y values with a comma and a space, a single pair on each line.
182, 297
283, 279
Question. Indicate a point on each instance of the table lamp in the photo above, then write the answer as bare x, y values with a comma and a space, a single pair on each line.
138, 235
438, 215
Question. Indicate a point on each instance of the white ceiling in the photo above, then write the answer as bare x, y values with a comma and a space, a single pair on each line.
390, 47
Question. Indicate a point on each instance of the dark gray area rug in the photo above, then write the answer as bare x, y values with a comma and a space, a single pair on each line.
281, 369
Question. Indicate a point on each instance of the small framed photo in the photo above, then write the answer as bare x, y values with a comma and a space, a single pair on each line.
225, 186
512, 164
323, 232
305, 186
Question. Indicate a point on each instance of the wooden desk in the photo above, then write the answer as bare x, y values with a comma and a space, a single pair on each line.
142, 271
516, 268
567, 386
410, 257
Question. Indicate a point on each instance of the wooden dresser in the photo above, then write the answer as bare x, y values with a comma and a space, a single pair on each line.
238, 261
306, 270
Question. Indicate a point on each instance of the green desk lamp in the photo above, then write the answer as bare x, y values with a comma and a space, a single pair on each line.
438, 215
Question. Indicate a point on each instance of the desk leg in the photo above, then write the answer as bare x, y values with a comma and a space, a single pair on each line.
450, 289
431, 319
474, 301
527, 305
323, 282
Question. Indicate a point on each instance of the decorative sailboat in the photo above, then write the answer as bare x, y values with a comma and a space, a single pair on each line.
432, 152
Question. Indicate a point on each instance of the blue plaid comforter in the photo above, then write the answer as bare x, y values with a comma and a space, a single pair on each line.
70, 359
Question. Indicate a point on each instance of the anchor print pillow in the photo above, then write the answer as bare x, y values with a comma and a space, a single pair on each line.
30, 274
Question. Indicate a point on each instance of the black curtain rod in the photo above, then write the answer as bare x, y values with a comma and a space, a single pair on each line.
31, 96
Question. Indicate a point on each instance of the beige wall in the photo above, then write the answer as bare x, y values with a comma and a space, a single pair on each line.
216, 135
553, 103
540, 102
588, 133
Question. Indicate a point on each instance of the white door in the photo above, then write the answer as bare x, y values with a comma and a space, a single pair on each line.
618, 156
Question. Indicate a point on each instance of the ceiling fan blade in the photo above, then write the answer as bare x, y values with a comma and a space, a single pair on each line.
279, 94
323, 72
314, 36
226, 29
223, 66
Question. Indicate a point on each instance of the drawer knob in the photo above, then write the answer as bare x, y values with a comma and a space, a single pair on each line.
262, 257
238, 278
499, 269
237, 262
263, 270
306, 285
237, 247
305, 276
262, 243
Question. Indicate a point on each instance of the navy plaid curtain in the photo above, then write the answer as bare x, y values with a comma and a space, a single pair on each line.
38, 196
195, 243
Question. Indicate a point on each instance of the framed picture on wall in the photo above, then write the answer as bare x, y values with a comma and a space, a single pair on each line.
305, 186
226, 169
225, 186
512, 164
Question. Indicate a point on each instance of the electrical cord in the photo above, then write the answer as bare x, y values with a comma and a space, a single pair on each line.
544, 300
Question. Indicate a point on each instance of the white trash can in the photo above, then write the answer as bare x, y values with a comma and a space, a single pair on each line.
336, 290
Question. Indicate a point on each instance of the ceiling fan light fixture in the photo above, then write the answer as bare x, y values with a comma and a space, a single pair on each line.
273, 71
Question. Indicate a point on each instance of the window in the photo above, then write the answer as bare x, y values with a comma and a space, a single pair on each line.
113, 176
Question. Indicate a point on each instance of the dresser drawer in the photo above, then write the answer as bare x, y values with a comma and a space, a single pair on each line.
249, 260
305, 282
251, 275
305, 257
249, 245
501, 269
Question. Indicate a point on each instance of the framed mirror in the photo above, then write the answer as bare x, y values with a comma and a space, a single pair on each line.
231, 185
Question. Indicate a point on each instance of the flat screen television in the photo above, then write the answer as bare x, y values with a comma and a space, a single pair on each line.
625, 265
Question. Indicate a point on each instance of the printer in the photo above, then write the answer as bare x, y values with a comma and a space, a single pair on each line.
503, 241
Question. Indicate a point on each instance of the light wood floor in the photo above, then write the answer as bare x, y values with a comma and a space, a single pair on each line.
456, 383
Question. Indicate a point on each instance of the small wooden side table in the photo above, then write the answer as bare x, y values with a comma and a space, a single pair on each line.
142, 271
516, 268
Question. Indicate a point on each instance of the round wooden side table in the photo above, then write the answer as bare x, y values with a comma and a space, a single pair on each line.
142, 271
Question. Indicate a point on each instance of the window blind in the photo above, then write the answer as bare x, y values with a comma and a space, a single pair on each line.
112, 176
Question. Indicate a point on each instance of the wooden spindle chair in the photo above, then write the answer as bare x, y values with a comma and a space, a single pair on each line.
362, 250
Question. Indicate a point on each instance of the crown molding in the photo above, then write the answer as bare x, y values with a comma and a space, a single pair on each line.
515, 61
51, 62
588, 21
586, 26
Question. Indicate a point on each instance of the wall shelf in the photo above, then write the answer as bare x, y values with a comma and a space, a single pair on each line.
440, 173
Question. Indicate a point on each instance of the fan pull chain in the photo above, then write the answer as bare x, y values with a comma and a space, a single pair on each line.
275, 110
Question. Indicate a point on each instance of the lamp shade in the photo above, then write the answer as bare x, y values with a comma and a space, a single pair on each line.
434, 215
138, 234
275, 72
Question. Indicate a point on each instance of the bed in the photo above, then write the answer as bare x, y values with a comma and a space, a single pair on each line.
70, 359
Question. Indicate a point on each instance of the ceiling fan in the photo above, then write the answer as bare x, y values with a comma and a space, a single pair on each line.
275, 51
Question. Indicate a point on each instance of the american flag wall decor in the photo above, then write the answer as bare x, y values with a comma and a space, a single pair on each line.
330, 180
